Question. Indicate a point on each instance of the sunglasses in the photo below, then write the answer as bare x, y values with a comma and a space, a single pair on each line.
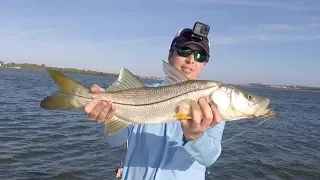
199, 56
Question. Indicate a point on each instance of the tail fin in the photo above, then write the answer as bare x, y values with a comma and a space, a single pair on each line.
71, 94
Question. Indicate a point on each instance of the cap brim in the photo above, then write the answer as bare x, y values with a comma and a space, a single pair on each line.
195, 43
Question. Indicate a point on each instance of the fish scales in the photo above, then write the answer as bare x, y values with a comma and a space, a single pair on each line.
160, 112
147, 95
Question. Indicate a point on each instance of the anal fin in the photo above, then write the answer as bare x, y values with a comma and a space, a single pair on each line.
115, 125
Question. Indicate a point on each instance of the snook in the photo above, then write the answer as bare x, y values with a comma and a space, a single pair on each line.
138, 104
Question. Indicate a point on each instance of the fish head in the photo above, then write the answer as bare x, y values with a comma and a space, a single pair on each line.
234, 104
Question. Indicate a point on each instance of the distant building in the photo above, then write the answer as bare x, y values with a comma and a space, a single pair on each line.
1, 63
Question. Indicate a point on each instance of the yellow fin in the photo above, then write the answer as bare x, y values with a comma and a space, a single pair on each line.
181, 115
186, 106
115, 125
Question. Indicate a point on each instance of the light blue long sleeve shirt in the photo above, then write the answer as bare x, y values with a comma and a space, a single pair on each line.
160, 152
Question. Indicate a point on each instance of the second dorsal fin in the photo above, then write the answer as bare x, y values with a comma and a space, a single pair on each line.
172, 74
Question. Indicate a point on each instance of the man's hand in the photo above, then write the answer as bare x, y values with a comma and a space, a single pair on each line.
99, 110
193, 129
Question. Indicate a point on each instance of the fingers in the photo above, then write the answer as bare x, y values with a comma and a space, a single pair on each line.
216, 115
204, 116
196, 116
97, 109
179, 108
207, 113
102, 110
88, 107
95, 88
111, 112
96, 112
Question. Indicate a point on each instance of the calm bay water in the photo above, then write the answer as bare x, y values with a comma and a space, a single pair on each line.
41, 144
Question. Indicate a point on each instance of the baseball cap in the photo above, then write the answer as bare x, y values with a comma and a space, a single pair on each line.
184, 37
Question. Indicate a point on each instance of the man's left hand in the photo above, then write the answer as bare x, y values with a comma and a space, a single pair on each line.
193, 129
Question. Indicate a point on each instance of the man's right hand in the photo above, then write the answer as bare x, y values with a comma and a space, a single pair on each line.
99, 110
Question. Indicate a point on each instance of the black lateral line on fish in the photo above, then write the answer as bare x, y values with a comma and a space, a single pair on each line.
67, 93
160, 100
136, 104
152, 102
169, 98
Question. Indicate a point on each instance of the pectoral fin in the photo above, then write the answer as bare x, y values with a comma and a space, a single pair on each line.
181, 115
186, 105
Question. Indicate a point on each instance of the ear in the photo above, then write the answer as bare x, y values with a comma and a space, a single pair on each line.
170, 54
205, 63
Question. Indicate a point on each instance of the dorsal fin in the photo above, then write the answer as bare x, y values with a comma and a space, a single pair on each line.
126, 80
173, 75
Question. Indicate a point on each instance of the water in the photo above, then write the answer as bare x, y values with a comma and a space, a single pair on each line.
41, 144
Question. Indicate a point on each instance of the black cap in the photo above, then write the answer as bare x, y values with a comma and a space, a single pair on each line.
185, 37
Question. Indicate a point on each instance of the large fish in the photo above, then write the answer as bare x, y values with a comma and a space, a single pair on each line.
138, 104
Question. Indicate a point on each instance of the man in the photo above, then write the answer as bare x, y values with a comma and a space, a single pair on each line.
179, 150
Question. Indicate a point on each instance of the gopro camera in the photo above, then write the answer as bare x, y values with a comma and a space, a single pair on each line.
201, 29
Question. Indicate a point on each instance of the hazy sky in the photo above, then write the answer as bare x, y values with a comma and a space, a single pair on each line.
271, 42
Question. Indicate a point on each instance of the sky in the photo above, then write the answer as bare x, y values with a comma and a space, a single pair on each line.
252, 41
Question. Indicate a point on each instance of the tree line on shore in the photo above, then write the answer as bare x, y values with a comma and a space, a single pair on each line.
43, 67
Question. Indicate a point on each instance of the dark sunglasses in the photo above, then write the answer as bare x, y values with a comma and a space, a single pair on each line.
199, 55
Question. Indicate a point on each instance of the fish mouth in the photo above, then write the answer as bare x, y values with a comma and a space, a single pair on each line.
265, 110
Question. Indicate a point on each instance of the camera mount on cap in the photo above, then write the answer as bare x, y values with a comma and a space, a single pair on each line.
200, 31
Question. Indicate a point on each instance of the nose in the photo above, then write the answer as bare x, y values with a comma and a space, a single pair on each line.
190, 59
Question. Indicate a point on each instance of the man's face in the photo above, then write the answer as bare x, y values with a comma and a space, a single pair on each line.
188, 65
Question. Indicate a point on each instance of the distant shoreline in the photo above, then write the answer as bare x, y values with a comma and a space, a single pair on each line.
36, 67
284, 89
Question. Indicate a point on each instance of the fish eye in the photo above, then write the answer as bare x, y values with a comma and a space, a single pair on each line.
250, 97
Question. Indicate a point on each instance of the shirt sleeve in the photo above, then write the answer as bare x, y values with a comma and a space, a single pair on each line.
120, 138
207, 148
